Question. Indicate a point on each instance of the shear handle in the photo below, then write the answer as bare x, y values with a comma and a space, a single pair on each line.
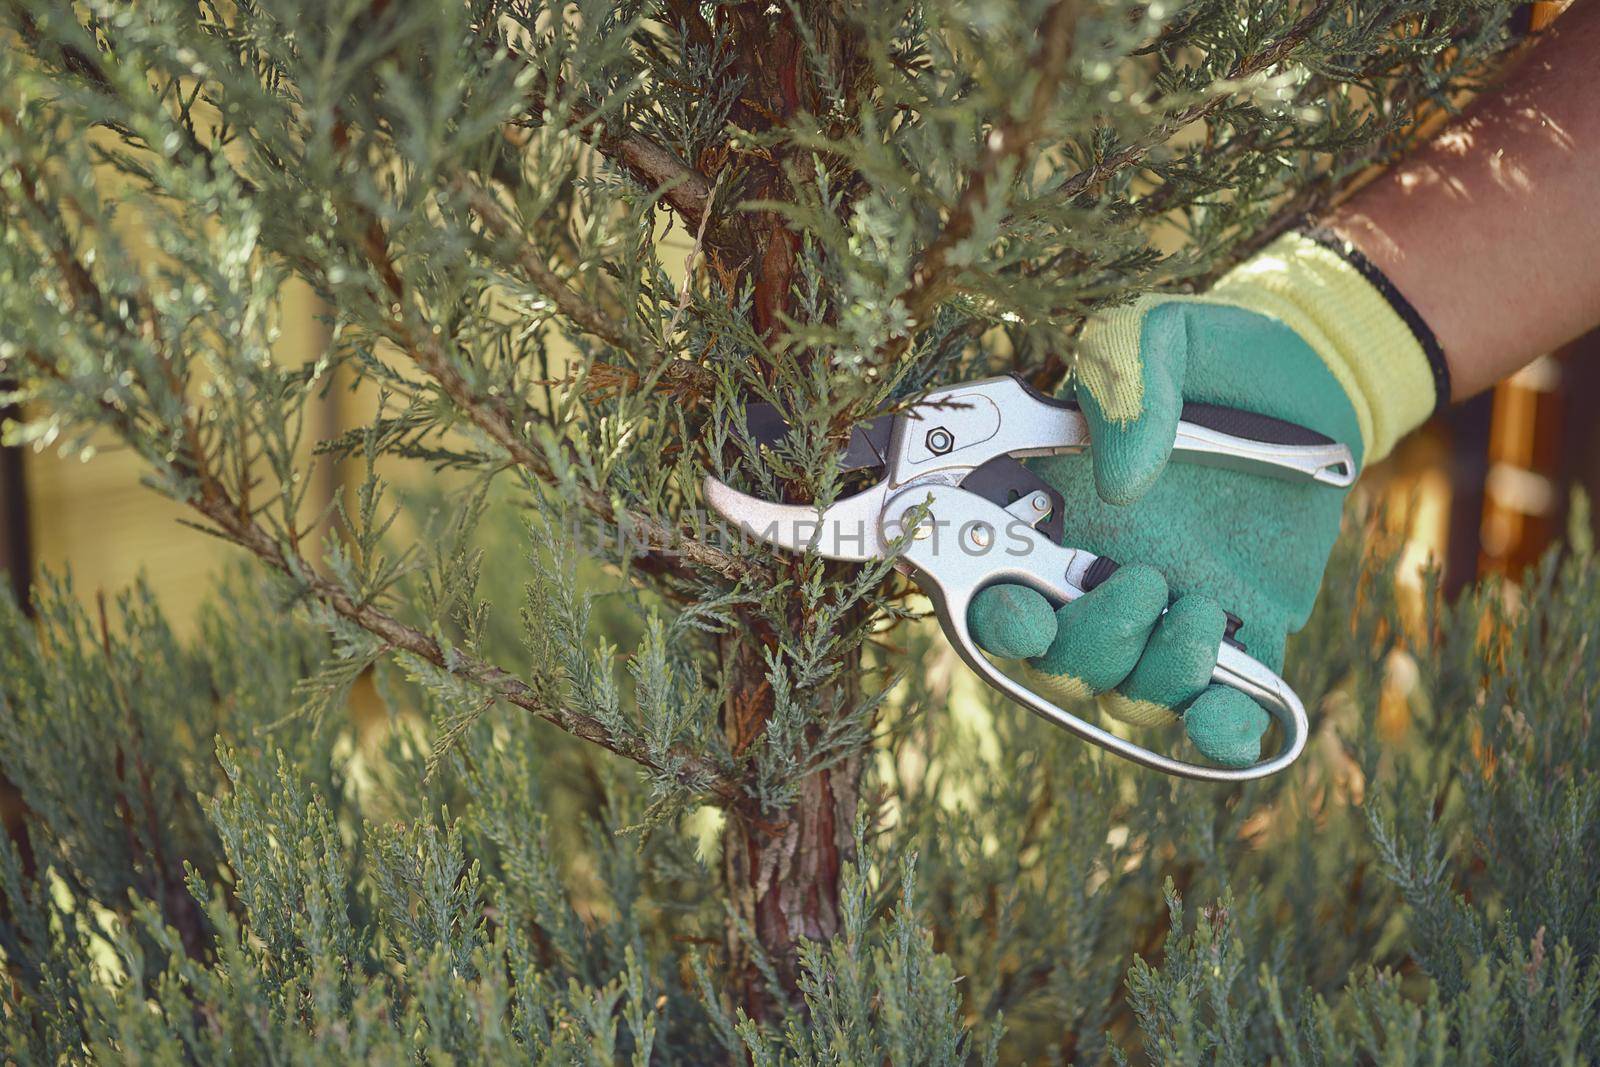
952, 565
1220, 436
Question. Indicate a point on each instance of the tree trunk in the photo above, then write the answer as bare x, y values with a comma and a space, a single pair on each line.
781, 871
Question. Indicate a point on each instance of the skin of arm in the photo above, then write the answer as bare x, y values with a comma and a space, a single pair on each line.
1492, 231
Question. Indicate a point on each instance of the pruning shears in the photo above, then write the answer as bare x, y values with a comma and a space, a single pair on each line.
958, 511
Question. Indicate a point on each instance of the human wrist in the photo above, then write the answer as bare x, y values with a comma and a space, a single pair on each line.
1362, 328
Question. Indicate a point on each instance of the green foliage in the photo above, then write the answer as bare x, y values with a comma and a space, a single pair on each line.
487, 197
556, 247
874, 995
1417, 894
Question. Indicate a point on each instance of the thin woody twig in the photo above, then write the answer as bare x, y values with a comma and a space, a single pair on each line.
686, 291
212, 499
494, 416
681, 186
571, 304
690, 193
686, 189
585, 316
930, 281
1005, 142
692, 768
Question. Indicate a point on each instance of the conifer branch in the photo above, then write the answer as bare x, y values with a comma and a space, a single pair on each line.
1005, 143
166, 877
930, 282
494, 417
1134, 153
684, 188
578, 311
87, 68
689, 193
693, 769
681, 375
231, 519
491, 414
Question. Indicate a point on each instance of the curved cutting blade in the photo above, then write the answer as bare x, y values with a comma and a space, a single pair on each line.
847, 529
868, 446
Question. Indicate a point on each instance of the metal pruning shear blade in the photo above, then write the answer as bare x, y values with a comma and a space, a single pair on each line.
953, 486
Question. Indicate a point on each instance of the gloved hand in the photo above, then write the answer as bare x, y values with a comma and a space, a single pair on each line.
1303, 333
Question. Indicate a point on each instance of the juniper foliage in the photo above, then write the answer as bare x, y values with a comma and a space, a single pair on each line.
643, 792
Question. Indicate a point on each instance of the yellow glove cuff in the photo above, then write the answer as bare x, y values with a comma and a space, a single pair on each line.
1367, 346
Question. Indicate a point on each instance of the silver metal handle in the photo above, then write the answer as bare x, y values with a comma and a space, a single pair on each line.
1330, 464
963, 544
962, 427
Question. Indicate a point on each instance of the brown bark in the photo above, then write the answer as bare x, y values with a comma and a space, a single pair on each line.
780, 869
781, 874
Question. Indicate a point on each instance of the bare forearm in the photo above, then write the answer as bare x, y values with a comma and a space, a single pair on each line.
1492, 232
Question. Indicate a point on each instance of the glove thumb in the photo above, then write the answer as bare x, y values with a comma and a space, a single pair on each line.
1130, 371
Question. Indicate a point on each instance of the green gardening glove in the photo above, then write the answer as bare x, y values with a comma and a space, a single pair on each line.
1299, 333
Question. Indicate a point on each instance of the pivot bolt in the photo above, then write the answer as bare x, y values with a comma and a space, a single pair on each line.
940, 440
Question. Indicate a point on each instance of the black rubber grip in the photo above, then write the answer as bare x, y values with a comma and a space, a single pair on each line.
1235, 422
1250, 425
1004, 480
1231, 629
1102, 568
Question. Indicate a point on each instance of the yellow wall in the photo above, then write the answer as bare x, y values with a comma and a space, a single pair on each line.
99, 520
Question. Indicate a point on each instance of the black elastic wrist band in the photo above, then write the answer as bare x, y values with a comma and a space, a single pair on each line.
1402, 307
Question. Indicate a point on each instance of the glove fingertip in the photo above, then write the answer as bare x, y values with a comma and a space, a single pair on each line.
1100, 635
1128, 455
1012, 621
1178, 660
1122, 476
1226, 726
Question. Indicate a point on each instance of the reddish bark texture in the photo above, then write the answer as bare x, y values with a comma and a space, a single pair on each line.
781, 874
780, 869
